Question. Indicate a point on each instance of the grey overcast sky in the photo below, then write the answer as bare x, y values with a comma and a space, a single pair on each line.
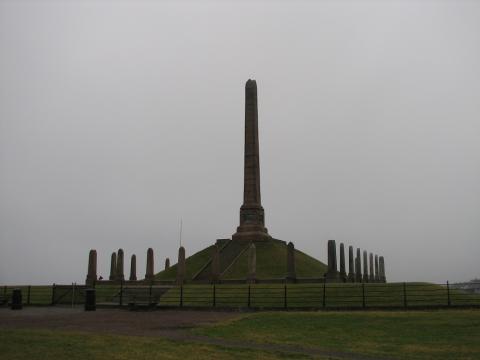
119, 118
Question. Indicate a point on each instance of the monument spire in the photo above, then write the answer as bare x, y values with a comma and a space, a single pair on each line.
252, 222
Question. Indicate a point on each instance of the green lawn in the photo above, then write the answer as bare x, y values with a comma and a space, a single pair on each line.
445, 334
57, 345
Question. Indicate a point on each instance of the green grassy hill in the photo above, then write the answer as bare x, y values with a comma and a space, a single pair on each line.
271, 263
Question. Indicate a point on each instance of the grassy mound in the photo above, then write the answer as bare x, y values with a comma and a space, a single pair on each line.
271, 263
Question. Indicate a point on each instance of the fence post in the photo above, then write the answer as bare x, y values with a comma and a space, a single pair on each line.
121, 292
214, 300
28, 294
449, 303
248, 301
53, 294
181, 295
405, 304
285, 296
324, 294
364, 304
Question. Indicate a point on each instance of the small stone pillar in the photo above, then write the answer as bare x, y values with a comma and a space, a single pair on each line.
351, 266
181, 267
343, 273
365, 266
133, 268
252, 264
92, 268
149, 273
120, 273
291, 272
377, 276
167, 263
215, 266
113, 267
382, 269
332, 274
358, 267
371, 278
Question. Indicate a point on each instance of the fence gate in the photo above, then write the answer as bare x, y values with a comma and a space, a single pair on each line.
68, 294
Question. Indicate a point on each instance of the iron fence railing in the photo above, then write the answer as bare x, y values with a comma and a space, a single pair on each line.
258, 296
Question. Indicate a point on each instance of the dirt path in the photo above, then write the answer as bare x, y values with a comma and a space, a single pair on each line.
169, 324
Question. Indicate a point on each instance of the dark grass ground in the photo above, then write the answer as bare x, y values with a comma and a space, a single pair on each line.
56, 333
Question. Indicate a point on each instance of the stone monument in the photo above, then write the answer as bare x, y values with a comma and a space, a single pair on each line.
252, 217
150, 273
351, 266
181, 267
120, 273
291, 272
133, 268
113, 267
92, 268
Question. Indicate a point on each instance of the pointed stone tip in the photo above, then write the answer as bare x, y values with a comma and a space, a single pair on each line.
251, 83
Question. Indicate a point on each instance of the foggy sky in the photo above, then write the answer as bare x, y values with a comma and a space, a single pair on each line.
118, 119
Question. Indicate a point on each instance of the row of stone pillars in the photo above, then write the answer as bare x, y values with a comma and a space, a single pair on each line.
117, 267
373, 273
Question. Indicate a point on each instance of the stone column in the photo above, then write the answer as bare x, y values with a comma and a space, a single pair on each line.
377, 276
167, 263
92, 268
150, 272
215, 276
133, 268
343, 273
365, 266
382, 269
351, 266
291, 272
358, 267
332, 274
181, 266
113, 267
252, 264
371, 278
120, 273
252, 218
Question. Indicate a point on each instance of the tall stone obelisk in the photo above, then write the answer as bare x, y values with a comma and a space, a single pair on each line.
252, 218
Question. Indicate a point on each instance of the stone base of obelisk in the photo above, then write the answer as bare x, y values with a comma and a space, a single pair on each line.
250, 236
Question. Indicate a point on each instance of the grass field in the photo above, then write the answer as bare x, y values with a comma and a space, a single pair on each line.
439, 335
44, 344
446, 334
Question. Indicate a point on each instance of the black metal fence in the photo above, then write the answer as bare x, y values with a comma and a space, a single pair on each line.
258, 296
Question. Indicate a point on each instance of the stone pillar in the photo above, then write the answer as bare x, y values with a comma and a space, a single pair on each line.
92, 268
133, 268
215, 275
120, 273
291, 272
343, 273
351, 266
167, 263
113, 267
377, 276
382, 269
371, 278
252, 264
150, 272
181, 267
252, 218
358, 267
332, 274
365, 266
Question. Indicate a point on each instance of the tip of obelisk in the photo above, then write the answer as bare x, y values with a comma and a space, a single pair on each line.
251, 83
